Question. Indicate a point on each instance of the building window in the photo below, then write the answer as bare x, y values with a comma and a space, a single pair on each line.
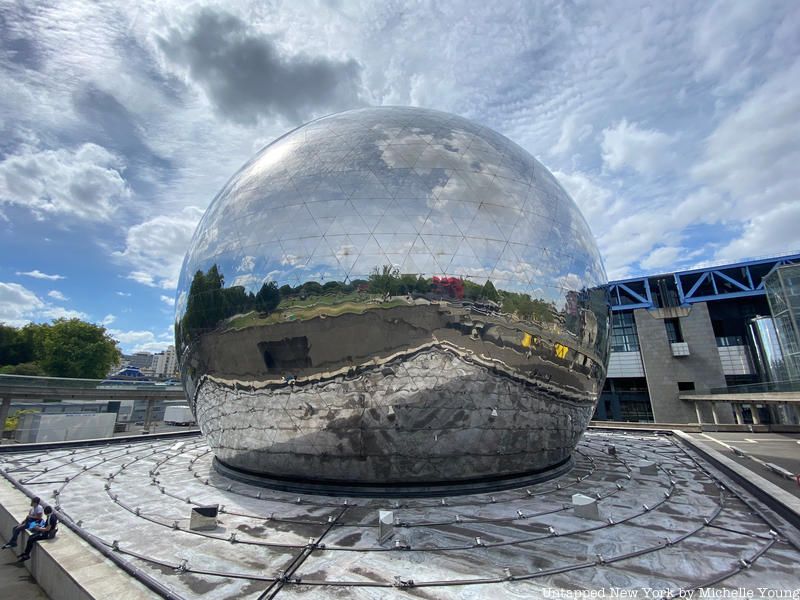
674, 334
623, 333
685, 386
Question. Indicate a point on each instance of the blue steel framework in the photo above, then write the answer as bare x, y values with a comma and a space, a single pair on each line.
736, 280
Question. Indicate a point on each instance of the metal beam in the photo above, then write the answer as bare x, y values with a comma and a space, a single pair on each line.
733, 281
751, 284
722, 296
639, 297
696, 285
632, 306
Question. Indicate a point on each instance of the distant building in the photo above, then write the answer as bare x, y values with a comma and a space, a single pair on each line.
165, 364
702, 331
140, 360
161, 365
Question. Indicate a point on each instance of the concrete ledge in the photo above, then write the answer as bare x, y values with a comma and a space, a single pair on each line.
695, 427
781, 501
745, 397
67, 567
749, 428
630, 426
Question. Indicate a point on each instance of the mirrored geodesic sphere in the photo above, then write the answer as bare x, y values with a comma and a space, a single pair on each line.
392, 296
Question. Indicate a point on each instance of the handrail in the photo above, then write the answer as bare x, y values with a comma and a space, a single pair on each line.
66, 382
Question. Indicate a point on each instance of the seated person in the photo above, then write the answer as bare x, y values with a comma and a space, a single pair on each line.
42, 532
35, 514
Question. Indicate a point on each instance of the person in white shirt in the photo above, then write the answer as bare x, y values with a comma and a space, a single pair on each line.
46, 530
35, 514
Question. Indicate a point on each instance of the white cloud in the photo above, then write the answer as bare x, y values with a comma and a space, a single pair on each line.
571, 133
728, 38
638, 229
156, 248
142, 277
168, 300
644, 150
599, 205
123, 294
751, 160
774, 231
56, 295
58, 312
662, 257
570, 281
753, 153
37, 274
246, 265
86, 183
142, 340
19, 305
108, 320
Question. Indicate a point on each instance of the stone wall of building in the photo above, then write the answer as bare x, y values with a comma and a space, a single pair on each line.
702, 366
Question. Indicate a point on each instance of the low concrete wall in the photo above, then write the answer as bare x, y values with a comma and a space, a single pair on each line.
58, 427
781, 501
696, 427
665, 427
67, 568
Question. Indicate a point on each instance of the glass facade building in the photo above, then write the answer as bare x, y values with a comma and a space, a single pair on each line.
392, 295
783, 294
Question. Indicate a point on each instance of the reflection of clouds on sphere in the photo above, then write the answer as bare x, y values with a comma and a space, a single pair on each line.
351, 256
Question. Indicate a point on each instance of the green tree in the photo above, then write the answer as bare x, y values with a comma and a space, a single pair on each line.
407, 283
268, 297
311, 288
26, 368
422, 285
236, 300
384, 281
73, 348
489, 292
332, 287
18, 346
472, 291
206, 304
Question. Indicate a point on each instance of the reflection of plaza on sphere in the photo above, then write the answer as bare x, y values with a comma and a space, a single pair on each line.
392, 295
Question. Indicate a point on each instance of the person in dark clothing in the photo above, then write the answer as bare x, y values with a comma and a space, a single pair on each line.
42, 532
35, 514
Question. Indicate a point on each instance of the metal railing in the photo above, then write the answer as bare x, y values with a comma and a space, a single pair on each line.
756, 388
65, 382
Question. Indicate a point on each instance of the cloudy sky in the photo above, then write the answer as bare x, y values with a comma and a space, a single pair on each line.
675, 126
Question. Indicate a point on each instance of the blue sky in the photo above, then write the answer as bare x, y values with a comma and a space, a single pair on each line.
675, 126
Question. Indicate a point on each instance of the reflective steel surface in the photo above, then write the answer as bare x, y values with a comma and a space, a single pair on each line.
392, 295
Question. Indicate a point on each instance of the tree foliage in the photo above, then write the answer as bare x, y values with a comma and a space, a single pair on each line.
210, 302
525, 307
268, 297
63, 348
